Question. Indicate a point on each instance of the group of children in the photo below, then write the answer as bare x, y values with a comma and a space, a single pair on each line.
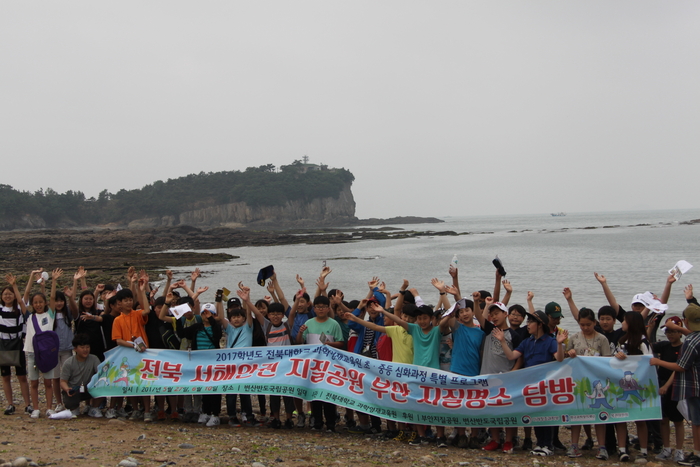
481, 334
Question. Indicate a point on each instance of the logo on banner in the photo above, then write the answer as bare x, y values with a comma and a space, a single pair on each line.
526, 419
603, 416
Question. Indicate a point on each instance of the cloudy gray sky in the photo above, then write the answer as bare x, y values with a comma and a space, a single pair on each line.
437, 107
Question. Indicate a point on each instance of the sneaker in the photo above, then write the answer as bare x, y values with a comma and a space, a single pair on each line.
121, 413
558, 445
507, 448
95, 412
213, 421
10, 410
401, 436
234, 422
86, 409
527, 444
275, 423
411, 436
175, 416
288, 425
462, 442
301, 420
415, 441
678, 456
161, 417
442, 442
602, 454
29, 410
358, 430
474, 443
623, 456
147, 417
111, 413
492, 446
59, 408
690, 459
74, 413
664, 455
253, 423
642, 455
50, 412
136, 415
573, 452
542, 451
203, 418
588, 445
35, 413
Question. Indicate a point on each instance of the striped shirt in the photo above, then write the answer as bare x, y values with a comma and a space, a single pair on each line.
11, 323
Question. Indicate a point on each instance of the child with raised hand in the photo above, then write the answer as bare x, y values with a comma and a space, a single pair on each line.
40, 319
64, 329
539, 348
466, 361
687, 379
426, 348
668, 351
587, 343
239, 334
494, 361
633, 342
11, 331
310, 333
129, 330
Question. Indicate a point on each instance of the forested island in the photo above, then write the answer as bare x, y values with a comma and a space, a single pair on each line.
258, 195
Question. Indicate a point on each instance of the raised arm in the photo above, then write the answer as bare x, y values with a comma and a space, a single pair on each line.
30, 282
13, 283
606, 290
509, 291
443, 303
570, 300
143, 295
54, 279
280, 293
478, 311
667, 288
193, 277
387, 295
497, 287
244, 295
398, 307
365, 323
530, 306
454, 272
689, 297
163, 312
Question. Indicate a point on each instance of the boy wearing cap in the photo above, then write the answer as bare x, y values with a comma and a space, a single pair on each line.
494, 360
668, 351
426, 351
540, 348
687, 377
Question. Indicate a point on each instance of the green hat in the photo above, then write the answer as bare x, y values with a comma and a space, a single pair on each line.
553, 309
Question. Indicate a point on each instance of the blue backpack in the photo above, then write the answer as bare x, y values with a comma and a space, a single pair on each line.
46, 346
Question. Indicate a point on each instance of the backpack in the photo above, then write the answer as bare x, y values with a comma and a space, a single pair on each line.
46, 346
170, 338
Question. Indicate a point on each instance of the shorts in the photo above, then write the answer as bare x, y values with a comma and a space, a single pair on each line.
694, 410
34, 372
20, 370
669, 409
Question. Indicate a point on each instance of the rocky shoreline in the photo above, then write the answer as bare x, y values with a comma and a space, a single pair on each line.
107, 253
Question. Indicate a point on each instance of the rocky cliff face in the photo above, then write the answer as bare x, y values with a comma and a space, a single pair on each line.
317, 212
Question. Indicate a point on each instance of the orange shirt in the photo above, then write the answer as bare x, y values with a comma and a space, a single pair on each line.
128, 327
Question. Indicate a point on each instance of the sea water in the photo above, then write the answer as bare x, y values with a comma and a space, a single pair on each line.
540, 253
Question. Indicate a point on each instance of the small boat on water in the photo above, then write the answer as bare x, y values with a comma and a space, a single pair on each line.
558, 214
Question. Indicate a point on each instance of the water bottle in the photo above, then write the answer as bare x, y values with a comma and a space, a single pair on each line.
453, 264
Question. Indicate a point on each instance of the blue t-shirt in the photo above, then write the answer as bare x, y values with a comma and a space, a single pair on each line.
466, 350
241, 336
426, 347
538, 351
299, 320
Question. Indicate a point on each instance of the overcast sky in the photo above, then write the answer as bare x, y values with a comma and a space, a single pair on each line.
438, 108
